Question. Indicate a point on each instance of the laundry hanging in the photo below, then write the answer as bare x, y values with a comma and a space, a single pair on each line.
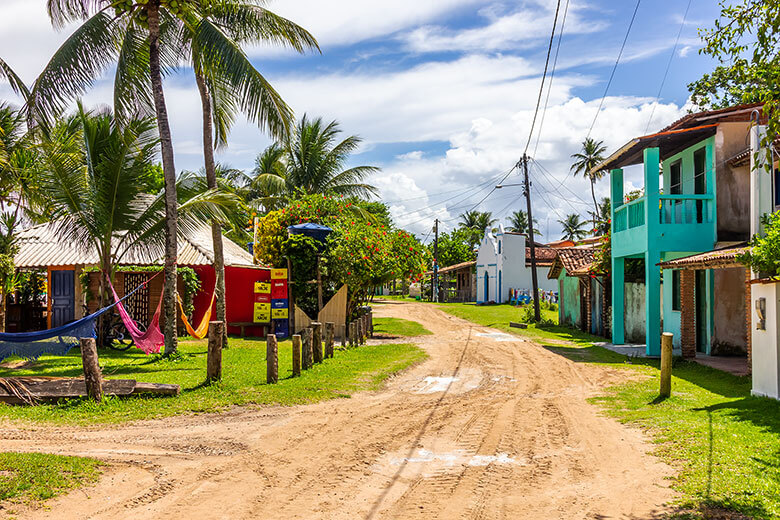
203, 329
150, 341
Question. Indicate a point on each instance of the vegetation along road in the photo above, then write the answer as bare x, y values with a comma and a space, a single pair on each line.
490, 426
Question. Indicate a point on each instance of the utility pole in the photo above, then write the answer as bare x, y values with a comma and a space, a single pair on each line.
534, 281
435, 284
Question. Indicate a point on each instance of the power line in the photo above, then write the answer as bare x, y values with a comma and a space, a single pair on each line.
668, 65
617, 61
544, 76
562, 184
552, 76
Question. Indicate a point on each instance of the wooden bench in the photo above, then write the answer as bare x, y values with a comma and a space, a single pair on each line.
244, 324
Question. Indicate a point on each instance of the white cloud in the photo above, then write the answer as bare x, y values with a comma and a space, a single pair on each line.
684, 51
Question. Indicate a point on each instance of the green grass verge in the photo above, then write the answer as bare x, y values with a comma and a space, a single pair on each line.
724, 443
243, 383
399, 327
499, 316
33, 477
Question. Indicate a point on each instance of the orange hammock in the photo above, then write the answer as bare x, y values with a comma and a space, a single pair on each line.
203, 329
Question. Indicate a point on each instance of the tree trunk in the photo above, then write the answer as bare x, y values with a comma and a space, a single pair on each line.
169, 175
211, 181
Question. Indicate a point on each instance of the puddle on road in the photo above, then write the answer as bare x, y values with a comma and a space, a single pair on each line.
458, 458
431, 384
466, 379
498, 336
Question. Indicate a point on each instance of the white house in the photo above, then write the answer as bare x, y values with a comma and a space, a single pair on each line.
503, 263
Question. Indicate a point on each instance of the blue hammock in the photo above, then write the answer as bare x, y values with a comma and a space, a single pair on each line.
57, 341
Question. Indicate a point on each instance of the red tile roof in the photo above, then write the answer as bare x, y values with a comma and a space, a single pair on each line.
575, 260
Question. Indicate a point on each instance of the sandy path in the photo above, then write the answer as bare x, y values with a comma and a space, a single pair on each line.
510, 437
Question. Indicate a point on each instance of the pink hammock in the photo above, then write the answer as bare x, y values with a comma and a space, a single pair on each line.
149, 341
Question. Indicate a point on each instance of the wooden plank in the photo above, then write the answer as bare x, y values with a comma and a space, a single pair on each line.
47, 389
156, 388
336, 309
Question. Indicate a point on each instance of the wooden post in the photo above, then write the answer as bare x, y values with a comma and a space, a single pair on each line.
352, 334
93, 377
666, 364
214, 361
343, 329
271, 359
296, 355
307, 354
370, 324
316, 334
330, 330
362, 330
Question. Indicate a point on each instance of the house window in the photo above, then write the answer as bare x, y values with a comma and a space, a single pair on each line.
675, 187
676, 291
700, 171
499, 247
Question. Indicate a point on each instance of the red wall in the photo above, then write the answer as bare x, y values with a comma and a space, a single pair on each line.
240, 297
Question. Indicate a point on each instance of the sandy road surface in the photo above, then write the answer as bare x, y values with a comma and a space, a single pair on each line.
489, 427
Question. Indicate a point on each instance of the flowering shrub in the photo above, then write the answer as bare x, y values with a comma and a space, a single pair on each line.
764, 253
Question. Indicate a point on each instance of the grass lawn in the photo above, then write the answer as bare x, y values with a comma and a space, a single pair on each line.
32, 477
724, 443
399, 327
243, 369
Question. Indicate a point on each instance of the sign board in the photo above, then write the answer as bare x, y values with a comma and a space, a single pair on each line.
278, 274
262, 313
263, 287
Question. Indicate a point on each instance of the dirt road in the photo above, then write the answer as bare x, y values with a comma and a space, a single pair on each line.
489, 427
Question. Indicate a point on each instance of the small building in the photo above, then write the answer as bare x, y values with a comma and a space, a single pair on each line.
67, 300
457, 283
583, 300
696, 200
504, 263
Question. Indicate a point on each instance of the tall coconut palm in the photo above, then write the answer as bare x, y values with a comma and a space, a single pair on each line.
479, 220
573, 228
585, 163
518, 222
144, 38
313, 161
221, 92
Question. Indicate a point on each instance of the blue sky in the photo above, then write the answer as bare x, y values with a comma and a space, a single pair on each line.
443, 91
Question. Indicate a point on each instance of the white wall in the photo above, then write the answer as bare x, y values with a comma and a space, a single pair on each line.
766, 354
510, 263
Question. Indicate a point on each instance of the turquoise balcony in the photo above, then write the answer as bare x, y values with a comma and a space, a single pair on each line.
664, 224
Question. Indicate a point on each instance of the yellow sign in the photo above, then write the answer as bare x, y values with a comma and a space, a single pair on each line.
262, 313
279, 314
278, 274
263, 287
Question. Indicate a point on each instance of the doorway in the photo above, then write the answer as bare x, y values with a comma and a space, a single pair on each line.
63, 297
487, 287
701, 311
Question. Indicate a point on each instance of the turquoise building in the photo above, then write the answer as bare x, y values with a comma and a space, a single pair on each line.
694, 200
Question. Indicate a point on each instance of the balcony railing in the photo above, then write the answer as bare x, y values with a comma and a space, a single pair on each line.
686, 209
630, 215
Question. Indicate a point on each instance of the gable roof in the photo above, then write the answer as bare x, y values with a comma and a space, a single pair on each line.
40, 246
574, 260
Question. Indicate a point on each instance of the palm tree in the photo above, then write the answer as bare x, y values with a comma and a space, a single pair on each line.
94, 183
518, 222
311, 161
572, 228
145, 37
221, 96
585, 163
478, 220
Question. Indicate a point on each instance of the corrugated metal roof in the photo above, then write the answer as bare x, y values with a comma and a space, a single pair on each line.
40, 246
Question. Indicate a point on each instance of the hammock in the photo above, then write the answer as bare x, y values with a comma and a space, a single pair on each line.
203, 329
57, 341
149, 341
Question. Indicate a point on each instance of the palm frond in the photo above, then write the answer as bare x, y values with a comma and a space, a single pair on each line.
17, 85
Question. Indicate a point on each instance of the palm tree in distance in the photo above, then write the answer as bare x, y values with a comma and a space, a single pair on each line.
586, 161
311, 161
573, 228
518, 222
478, 220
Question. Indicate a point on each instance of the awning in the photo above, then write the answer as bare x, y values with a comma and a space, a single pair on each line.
669, 142
721, 258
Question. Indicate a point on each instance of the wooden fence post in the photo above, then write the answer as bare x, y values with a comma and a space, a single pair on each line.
307, 354
666, 364
330, 330
316, 333
370, 324
362, 330
296, 355
271, 359
352, 334
93, 377
214, 361
343, 329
